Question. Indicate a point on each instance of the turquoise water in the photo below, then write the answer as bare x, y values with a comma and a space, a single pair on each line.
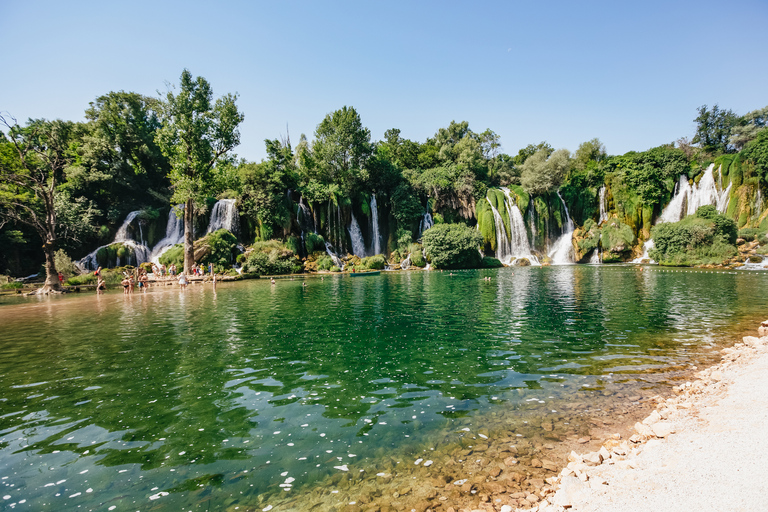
240, 396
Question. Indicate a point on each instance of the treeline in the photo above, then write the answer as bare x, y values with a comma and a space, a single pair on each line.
135, 152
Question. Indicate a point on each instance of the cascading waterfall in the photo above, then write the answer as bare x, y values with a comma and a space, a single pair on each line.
174, 233
647, 246
336, 260
503, 247
603, 212
356, 236
687, 199
224, 216
376, 241
758, 202
140, 251
425, 223
306, 216
519, 247
562, 251
406, 263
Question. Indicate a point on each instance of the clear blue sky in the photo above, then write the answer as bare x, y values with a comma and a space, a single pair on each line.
629, 73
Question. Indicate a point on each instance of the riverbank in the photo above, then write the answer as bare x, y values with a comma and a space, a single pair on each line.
699, 450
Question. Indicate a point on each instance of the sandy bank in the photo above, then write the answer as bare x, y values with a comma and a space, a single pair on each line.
703, 449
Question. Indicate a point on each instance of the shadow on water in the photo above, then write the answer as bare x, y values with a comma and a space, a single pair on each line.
256, 392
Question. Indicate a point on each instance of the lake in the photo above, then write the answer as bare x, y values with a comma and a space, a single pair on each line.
251, 395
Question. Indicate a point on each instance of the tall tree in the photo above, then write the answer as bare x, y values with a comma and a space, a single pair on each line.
713, 128
196, 132
342, 148
32, 163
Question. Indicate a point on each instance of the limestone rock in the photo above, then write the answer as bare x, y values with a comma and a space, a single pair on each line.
652, 418
644, 430
663, 429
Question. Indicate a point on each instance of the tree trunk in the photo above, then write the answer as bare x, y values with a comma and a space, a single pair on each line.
52, 284
189, 237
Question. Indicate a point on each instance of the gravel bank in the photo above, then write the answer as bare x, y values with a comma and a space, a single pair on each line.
701, 450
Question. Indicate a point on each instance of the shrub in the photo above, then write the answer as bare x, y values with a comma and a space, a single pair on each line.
314, 242
173, 256
749, 234
489, 262
12, 286
377, 262
417, 256
453, 246
64, 264
271, 258
703, 238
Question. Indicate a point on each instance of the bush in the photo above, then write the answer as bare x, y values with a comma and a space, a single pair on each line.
64, 264
173, 256
12, 286
417, 256
703, 238
324, 262
489, 262
271, 258
377, 262
453, 246
314, 242
749, 234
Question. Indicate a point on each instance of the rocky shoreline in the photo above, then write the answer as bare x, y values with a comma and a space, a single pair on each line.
591, 480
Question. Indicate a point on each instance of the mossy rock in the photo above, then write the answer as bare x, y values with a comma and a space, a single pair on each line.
522, 262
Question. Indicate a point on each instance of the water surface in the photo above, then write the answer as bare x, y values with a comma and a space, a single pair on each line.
246, 395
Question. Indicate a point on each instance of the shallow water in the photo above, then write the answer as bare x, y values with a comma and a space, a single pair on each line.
253, 394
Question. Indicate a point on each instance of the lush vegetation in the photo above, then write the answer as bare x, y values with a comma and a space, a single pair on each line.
453, 246
706, 237
66, 187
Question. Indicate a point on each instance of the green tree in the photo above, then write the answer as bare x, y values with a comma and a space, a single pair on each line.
713, 128
32, 163
453, 246
196, 132
748, 127
542, 172
342, 148
589, 154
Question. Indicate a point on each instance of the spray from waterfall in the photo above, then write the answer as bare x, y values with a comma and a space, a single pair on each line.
562, 251
376, 241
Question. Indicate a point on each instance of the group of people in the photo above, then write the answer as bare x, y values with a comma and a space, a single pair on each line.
160, 271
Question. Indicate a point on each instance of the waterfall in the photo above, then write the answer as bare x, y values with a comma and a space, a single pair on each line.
425, 223
603, 213
336, 260
358, 244
306, 216
562, 251
339, 237
376, 241
224, 216
519, 246
532, 219
503, 247
174, 234
647, 246
687, 199
406, 263
140, 251
758, 202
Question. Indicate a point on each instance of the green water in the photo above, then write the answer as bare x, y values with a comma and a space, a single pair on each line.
203, 400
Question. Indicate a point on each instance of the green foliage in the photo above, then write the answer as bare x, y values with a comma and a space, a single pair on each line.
173, 256
64, 264
453, 246
617, 237
404, 238
489, 262
749, 234
219, 248
703, 238
341, 149
324, 262
314, 242
417, 256
377, 262
271, 258
406, 206
756, 153
713, 128
589, 154
543, 172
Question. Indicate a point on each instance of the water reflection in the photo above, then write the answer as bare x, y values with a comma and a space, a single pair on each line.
175, 391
